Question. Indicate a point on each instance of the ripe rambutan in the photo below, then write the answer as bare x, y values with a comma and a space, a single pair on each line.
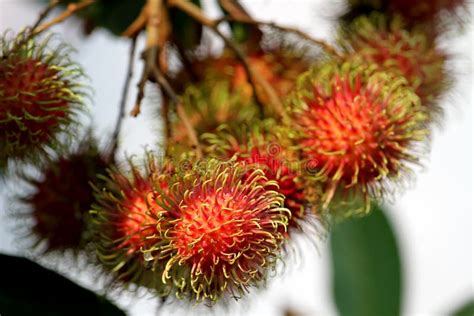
424, 10
362, 126
121, 223
415, 12
61, 199
40, 91
226, 233
412, 53
267, 147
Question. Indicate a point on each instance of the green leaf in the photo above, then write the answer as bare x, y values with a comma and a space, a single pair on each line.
366, 266
26, 288
113, 15
187, 32
466, 310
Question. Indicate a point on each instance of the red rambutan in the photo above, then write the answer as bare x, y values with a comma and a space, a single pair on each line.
40, 92
265, 147
416, 12
122, 222
424, 10
410, 53
62, 198
226, 233
360, 124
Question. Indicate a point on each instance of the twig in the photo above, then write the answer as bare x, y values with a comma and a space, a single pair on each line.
152, 14
137, 25
123, 101
70, 10
165, 110
141, 89
52, 4
180, 111
323, 44
150, 55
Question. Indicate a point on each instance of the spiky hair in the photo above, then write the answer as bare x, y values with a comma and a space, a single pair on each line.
122, 222
226, 233
41, 92
363, 126
408, 52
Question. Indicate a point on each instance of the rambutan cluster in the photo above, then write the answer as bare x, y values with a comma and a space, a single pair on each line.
203, 233
272, 143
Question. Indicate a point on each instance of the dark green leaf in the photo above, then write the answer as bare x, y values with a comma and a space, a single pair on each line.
466, 310
113, 15
26, 288
187, 32
366, 266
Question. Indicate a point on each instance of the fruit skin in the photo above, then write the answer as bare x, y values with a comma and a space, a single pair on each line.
411, 53
122, 221
266, 146
225, 235
41, 93
365, 128
61, 198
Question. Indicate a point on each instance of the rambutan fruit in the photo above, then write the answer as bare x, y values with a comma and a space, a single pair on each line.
210, 105
414, 12
425, 10
267, 147
361, 124
226, 234
122, 222
61, 198
40, 94
410, 53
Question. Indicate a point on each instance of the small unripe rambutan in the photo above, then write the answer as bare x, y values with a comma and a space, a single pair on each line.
384, 41
40, 91
267, 147
62, 197
226, 234
121, 223
362, 125
210, 105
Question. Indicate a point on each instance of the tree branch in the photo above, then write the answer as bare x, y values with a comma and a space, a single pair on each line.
70, 10
246, 20
123, 101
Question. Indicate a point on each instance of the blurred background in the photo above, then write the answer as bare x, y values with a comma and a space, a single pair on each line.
432, 219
